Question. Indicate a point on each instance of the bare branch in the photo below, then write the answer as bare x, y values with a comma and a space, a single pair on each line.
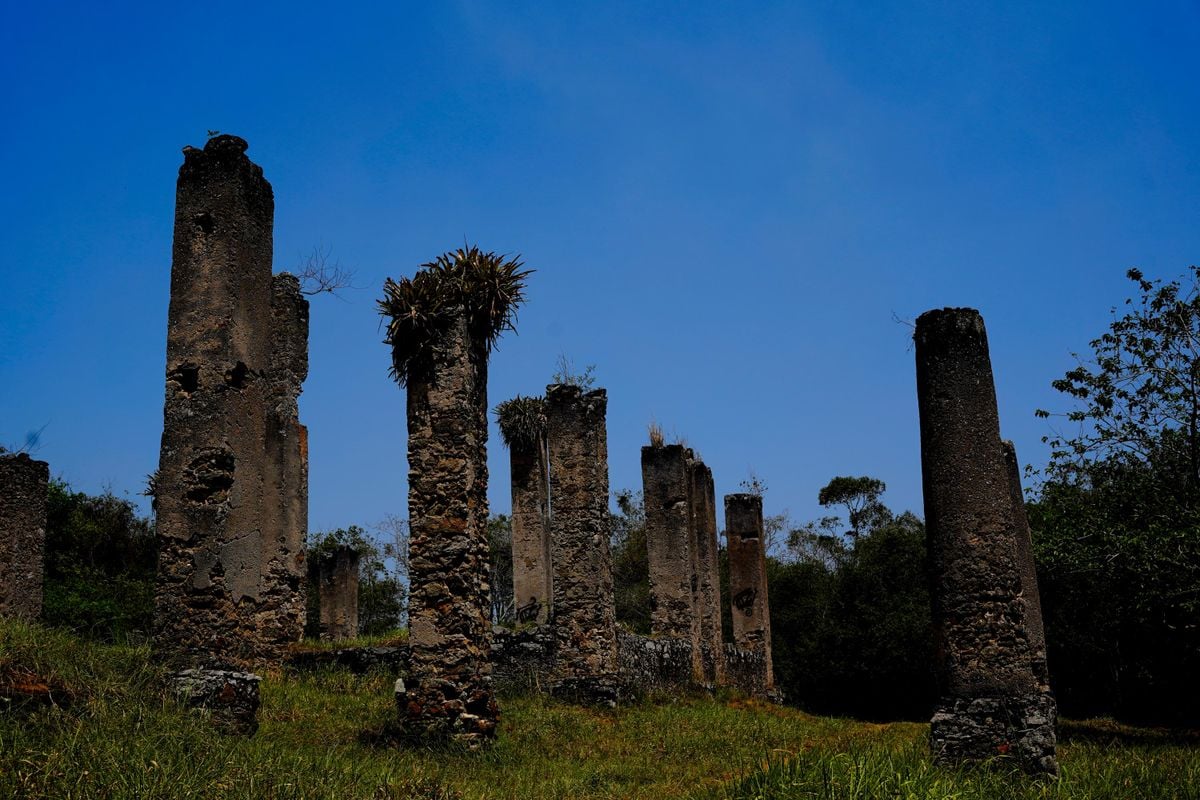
318, 276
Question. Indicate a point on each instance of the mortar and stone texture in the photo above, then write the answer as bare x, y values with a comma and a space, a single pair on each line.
24, 483
994, 697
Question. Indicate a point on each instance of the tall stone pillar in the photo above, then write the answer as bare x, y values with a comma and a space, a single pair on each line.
1029, 581
669, 548
749, 610
584, 608
23, 494
337, 587
449, 691
526, 439
706, 569
992, 701
231, 485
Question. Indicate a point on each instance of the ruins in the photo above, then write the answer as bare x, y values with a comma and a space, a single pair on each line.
23, 487
337, 590
670, 547
748, 578
230, 493
584, 612
522, 423
993, 701
706, 580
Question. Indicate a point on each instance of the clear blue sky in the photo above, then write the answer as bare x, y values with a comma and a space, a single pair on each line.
725, 203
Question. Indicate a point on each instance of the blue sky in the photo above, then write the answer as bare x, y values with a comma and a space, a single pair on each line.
727, 206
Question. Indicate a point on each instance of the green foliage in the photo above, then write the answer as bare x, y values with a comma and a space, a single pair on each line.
565, 374
485, 286
1117, 522
121, 738
501, 578
522, 421
382, 593
100, 563
631, 567
860, 498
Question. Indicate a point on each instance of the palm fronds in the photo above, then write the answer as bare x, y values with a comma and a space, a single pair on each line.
485, 286
522, 421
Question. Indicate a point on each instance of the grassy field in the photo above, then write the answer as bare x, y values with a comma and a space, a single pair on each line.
119, 738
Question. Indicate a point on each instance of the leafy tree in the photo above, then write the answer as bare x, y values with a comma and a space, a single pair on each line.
631, 566
500, 545
381, 592
860, 498
100, 564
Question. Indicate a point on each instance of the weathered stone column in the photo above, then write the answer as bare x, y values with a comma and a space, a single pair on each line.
665, 495
992, 702
706, 569
523, 428
337, 587
584, 609
23, 493
1029, 581
748, 578
449, 692
230, 494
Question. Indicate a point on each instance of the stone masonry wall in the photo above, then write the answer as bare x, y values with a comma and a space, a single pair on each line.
992, 702
231, 482
449, 693
1029, 581
706, 583
532, 583
748, 578
337, 585
669, 547
584, 607
23, 487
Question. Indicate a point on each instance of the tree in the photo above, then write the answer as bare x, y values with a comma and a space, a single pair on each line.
631, 566
501, 582
1141, 381
381, 592
860, 497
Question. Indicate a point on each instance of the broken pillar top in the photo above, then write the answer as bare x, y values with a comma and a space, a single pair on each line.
569, 391
943, 324
219, 153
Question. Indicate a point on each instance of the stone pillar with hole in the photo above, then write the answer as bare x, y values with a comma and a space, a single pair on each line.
448, 691
669, 547
706, 574
231, 488
337, 588
24, 483
584, 607
749, 610
994, 697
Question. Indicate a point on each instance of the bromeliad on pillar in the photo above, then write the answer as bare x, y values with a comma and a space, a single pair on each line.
443, 324
522, 422
995, 700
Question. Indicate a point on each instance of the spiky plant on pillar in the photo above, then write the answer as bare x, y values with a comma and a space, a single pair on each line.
443, 324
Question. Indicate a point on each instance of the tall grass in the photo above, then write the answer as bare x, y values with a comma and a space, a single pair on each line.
121, 738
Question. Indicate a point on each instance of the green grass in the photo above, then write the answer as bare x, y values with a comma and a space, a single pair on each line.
119, 738
389, 639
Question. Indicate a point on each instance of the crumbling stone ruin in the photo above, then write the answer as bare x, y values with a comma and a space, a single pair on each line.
523, 428
706, 576
670, 547
231, 489
337, 588
448, 690
23, 487
748, 578
584, 609
994, 701
1029, 583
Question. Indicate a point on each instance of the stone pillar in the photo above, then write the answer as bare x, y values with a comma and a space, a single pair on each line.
584, 608
532, 582
669, 547
337, 587
706, 570
448, 686
23, 493
992, 702
231, 492
1029, 581
748, 578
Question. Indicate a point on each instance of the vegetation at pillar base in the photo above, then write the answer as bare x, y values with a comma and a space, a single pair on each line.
119, 737
486, 286
100, 564
1116, 519
382, 591
522, 421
